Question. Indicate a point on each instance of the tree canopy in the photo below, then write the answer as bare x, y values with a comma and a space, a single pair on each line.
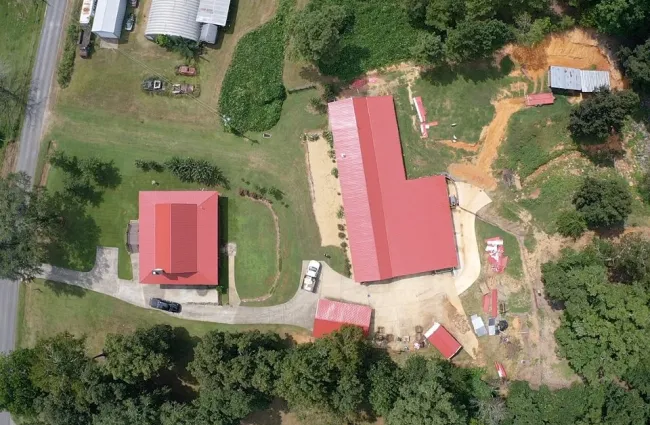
29, 220
603, 202
318, 31
597, 116
637, 65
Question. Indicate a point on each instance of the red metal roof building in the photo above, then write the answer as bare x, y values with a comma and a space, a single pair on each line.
440, 338
332, 315
179, 235
397, 227
539, 99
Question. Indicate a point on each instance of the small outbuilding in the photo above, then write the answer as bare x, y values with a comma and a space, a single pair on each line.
440, 338
585, 81
332, 315
109, 18
539, 99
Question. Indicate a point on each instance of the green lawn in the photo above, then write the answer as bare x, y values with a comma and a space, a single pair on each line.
48, 308
421, 157
535, 136
462, 96
485, 230
277, 161
250, 224
519, 302
21, 26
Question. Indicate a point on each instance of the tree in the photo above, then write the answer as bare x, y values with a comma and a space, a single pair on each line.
571, 224
644, 187
416, 11
442, 15
384, 379
191, 170
604, 112
475, 40
17, 392
29, 220
637, 65
603, 202
317, 31
429, 49
622, 18
423, 383
141, 355
143, 410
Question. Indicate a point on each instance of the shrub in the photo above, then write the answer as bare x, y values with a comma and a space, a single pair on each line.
149, 165
605, 111
329, 138
344, 244
66, 65
644, 187
341, 235
603, 202
341, 227
188, 49
335, 172
340, 213
571, 224
200, 171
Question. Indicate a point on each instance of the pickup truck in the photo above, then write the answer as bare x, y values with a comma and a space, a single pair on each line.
311, 277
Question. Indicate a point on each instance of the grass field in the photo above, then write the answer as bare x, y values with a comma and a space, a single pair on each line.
462, 96
421, 157
485, 230
53, 308
278, 161
535, 136
21, 23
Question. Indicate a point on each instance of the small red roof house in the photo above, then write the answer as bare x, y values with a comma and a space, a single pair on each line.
440, 338
397, 227
332, 315
179, 237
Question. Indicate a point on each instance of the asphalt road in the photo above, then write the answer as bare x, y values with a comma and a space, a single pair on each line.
30, 139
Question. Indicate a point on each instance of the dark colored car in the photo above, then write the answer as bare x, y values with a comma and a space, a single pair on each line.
164, 305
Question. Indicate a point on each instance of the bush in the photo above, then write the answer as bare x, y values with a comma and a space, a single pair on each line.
341, 235
188, 49
598, 115
190, 170
603, 202
252, 94
335, 172
66, 65
330, 139
341, 227
149, 165
340, 213
644, 187
571, 224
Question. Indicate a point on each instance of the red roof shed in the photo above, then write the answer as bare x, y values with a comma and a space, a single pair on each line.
440, 338
179, 235
332, 315
397, 227
540, 99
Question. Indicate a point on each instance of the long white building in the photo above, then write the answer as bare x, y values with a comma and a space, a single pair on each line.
195, 20
109, 18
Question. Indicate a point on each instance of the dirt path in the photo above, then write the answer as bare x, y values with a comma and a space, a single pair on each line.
276, 223
479, 171
563, 158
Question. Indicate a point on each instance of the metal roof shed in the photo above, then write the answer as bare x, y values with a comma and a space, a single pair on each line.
209, 33
173, 18
213, 12
594, 80
440, 338
560, 77
332, 315
109, 17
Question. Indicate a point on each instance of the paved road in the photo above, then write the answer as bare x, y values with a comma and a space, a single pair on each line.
30, 139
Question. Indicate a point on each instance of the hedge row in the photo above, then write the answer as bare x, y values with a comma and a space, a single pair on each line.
66, 66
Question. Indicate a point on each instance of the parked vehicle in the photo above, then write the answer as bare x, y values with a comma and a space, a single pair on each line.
311, 276
153, 84
186, 70
182, 88
84, 42
130, 22
165, 305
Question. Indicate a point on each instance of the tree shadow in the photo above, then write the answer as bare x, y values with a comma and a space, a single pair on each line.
222, 231
269, 416
106, 174
83, 191
60, 289
478, 71
611, 232
349, 63
76, 246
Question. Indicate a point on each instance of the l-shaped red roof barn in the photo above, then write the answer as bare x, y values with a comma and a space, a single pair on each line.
178, 238
397, 227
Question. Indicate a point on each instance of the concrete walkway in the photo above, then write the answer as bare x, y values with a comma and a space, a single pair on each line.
198, 304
